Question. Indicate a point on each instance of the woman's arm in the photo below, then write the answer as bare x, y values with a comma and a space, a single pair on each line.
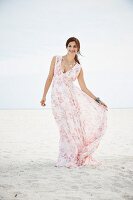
85, 89
48, 81
83, 85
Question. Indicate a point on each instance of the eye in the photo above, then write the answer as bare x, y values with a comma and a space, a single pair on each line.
69, 46
75, 46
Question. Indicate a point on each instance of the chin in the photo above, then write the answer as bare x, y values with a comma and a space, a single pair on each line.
72, 52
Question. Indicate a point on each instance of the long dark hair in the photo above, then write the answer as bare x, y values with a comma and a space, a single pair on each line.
73, 39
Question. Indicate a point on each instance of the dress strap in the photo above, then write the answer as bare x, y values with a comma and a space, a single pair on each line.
57, 59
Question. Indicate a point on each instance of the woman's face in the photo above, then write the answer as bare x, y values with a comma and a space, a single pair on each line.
72, 48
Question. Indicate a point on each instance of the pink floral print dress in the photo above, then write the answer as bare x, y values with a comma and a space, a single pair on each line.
80, 119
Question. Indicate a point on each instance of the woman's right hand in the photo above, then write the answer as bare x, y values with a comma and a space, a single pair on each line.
43, 100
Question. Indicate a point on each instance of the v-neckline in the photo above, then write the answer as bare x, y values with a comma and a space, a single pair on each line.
61, 66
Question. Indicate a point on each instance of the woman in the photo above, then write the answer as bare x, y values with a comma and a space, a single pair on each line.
80, 116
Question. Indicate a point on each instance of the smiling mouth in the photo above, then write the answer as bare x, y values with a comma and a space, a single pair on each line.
72, 51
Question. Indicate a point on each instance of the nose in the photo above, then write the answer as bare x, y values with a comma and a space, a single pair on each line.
72, 49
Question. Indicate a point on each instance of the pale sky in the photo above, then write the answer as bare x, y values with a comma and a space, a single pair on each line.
32, 32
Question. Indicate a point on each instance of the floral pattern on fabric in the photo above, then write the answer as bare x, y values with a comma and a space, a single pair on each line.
80, 119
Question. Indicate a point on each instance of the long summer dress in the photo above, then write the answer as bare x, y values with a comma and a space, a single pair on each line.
81, 120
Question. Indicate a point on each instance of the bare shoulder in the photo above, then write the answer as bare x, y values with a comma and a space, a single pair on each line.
81, 71
53, 59
52, 65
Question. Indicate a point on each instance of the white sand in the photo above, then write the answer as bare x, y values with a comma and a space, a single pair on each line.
29, 148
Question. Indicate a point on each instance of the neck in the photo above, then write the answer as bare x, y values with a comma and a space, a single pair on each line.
70, 57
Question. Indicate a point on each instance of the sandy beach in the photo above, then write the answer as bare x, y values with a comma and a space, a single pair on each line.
29, 149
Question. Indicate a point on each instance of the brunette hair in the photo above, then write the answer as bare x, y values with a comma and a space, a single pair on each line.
73, 39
